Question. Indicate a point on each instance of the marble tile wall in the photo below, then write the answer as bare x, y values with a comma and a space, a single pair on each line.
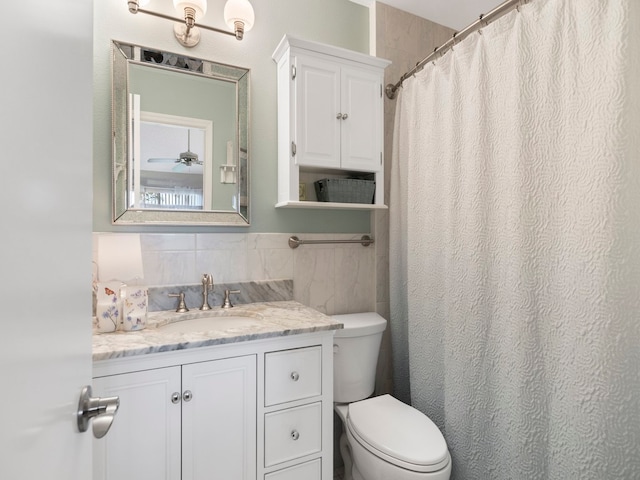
331, 278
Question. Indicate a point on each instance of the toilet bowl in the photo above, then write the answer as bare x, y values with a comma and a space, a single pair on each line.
383, 438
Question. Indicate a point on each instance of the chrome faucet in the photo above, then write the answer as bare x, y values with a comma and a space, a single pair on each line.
207, 284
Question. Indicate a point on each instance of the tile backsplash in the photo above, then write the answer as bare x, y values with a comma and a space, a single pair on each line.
332, 278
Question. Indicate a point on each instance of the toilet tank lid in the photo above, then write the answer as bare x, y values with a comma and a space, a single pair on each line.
359, 324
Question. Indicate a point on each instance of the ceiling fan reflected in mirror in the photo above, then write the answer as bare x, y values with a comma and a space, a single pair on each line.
185, 159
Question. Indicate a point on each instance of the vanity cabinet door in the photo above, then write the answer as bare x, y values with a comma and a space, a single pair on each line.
189, 422
144, 440
219, 419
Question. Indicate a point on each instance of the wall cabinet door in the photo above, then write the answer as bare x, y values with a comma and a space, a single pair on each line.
338, 115
361, 135
219, 420
144, 440
189, 422
317, 100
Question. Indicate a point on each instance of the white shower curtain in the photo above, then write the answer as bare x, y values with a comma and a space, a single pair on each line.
515, 243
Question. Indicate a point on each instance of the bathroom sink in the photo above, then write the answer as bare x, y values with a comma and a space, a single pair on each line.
206, 324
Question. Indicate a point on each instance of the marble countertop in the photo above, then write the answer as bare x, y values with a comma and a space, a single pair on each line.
274, 319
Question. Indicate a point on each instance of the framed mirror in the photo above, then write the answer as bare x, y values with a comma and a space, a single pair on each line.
180, 139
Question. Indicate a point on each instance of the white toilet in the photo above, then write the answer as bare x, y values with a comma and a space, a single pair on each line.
384, 438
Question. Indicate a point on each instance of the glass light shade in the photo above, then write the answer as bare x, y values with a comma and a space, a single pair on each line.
200, 6
239, 10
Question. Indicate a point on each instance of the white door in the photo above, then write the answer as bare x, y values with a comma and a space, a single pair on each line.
362, 105
317, 137
45, 253
219, 419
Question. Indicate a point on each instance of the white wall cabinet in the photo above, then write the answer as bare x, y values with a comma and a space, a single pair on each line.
245, 411
330, 119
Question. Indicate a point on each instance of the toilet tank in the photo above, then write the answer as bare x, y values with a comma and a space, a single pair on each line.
355, 355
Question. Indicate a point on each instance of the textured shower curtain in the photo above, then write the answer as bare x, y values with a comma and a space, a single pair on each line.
515, 243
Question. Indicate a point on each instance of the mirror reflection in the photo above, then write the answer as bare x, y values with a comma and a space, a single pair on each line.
180, 131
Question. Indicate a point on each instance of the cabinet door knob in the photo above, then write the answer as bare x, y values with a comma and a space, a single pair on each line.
295, 376
295, 435
339, 116
187, 396
175, 397
345, 116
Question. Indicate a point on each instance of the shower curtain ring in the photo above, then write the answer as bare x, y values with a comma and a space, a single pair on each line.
482, 22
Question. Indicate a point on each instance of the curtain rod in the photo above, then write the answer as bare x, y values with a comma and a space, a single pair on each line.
483, 20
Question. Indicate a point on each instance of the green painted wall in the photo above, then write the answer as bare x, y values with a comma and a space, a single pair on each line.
336, 22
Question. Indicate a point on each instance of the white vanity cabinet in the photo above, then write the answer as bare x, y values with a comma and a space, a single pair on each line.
249, 410
193, 421
330, 119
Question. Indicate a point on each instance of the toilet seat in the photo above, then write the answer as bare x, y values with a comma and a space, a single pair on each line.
398, 434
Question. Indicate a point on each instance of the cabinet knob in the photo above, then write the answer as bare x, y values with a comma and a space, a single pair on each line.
295, 376
344, 116
339, 116
175, 397
295, 435
187, 395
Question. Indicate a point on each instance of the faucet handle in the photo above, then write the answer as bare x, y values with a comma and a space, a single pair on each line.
182, 307
207, 281
227, 302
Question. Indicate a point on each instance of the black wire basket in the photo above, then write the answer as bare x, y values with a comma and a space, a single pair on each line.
345, 190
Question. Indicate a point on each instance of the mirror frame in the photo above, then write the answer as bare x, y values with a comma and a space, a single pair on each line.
125, 54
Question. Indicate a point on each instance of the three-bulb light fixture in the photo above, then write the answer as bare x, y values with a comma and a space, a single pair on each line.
238, 15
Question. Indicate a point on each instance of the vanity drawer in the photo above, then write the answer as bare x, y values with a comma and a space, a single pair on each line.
292, 433
292, 375
308, 471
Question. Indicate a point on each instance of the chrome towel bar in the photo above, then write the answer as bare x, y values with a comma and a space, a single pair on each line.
295, 242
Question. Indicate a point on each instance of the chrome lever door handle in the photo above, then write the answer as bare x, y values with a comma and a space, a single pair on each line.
102, 410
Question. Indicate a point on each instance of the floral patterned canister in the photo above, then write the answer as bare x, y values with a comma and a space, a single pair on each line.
134, 307
108, 306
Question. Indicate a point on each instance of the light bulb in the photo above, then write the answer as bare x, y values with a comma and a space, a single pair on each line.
239, 11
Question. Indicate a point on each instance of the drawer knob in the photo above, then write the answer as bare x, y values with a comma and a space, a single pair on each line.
295, 376
295, 435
